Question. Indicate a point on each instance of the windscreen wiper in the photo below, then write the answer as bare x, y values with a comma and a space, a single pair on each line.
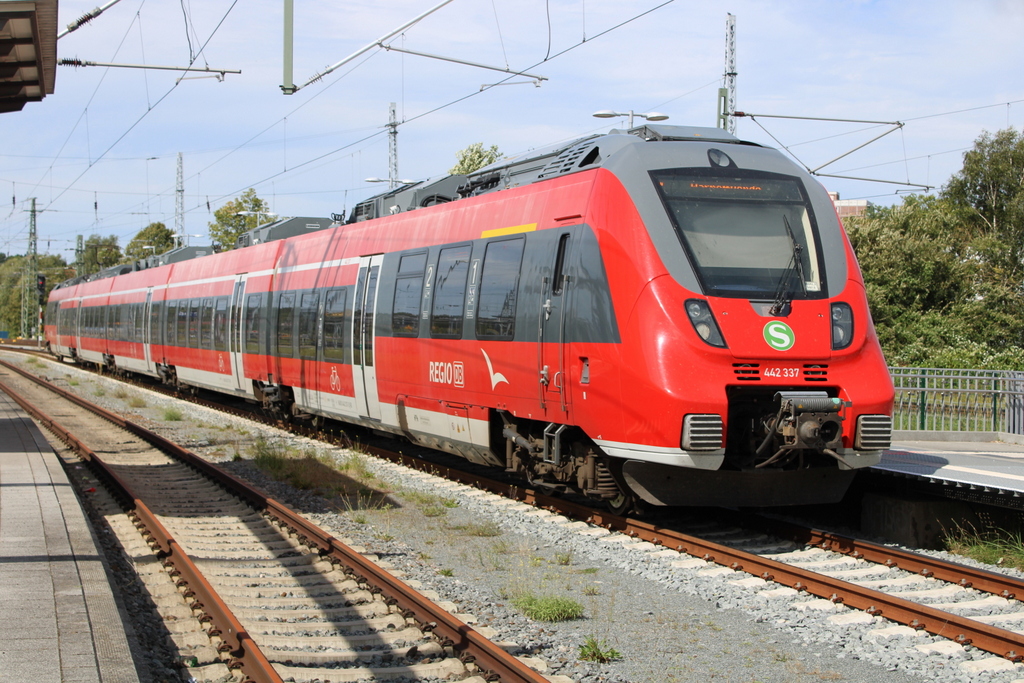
784, 292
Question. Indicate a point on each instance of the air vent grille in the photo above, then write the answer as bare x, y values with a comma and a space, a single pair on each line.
566, 161
874, 433
816, 373
747, 372
702, 432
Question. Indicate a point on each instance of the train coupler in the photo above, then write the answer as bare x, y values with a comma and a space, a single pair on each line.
807, 420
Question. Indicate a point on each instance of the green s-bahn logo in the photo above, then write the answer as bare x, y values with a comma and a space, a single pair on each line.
779, 335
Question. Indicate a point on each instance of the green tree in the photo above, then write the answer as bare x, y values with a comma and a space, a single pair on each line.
13, 276
944, 274
473, 158
989, 193
155, 238
99, 253
12, 272
229, 224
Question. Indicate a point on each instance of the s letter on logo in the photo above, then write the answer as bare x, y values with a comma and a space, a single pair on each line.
779, 335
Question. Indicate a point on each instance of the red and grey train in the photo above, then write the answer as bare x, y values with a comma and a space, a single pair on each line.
665, 314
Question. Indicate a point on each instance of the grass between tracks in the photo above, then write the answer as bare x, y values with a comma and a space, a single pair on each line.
998, 547
348, 484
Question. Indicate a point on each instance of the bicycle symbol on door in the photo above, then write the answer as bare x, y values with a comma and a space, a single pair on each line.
335, 380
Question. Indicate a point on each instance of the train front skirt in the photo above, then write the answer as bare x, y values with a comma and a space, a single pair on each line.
659, 484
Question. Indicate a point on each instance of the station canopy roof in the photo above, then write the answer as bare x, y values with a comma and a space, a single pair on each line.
28, 51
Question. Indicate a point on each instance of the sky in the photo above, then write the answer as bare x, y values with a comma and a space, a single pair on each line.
100, 154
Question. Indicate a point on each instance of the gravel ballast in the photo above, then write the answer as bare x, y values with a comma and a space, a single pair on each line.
667, 623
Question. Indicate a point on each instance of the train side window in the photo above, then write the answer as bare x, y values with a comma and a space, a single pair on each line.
557, 276
368, 315
193, 323
123, 321
182, 323
405, 316
155, 309
220, 324
169, 323
113, 321
499, 285
357, 317
206, 325
286, 325
336, 342
252, 323
450, 293
307, 324
140, 322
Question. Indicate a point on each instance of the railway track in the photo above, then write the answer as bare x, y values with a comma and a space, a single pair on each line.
250, 584
860, 580
862, 583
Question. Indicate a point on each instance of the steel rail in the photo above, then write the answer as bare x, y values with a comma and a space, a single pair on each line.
452, 631
920, 617
245, 654
1002, 585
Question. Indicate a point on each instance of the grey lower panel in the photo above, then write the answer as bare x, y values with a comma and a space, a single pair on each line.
665, 485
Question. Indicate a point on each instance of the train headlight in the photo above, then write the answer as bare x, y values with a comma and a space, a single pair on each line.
704, 322
842, 325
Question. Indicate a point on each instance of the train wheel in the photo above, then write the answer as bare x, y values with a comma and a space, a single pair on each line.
622, 504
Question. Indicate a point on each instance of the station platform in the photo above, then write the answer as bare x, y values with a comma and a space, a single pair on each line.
59, 622
995, 467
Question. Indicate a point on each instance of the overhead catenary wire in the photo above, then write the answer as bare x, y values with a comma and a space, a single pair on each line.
458, 99
295, 153
146, 113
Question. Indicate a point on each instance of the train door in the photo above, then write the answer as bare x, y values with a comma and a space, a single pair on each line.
76, 329
147, 336
310, 313
236, 332
364, 374
555, 306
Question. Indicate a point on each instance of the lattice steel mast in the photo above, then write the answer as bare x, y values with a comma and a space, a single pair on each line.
29, 297
727, 93
392, 148
179, 206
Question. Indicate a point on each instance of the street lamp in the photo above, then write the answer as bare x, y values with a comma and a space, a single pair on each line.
184, 238
609, 114
257, 214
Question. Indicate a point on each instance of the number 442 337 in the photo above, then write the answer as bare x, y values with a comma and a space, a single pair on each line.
785, 373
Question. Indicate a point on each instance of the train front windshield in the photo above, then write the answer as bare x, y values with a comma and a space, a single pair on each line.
748, 236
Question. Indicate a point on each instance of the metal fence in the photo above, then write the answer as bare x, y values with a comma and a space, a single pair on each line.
943, 399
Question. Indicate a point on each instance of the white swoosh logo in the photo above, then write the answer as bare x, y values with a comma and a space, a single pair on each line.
496, 377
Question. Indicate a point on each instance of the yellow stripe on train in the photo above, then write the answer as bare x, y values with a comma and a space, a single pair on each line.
515, 229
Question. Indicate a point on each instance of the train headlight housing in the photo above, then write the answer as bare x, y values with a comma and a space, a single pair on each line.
704, 322
842, 325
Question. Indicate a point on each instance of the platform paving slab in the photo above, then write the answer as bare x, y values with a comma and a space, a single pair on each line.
59, 619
